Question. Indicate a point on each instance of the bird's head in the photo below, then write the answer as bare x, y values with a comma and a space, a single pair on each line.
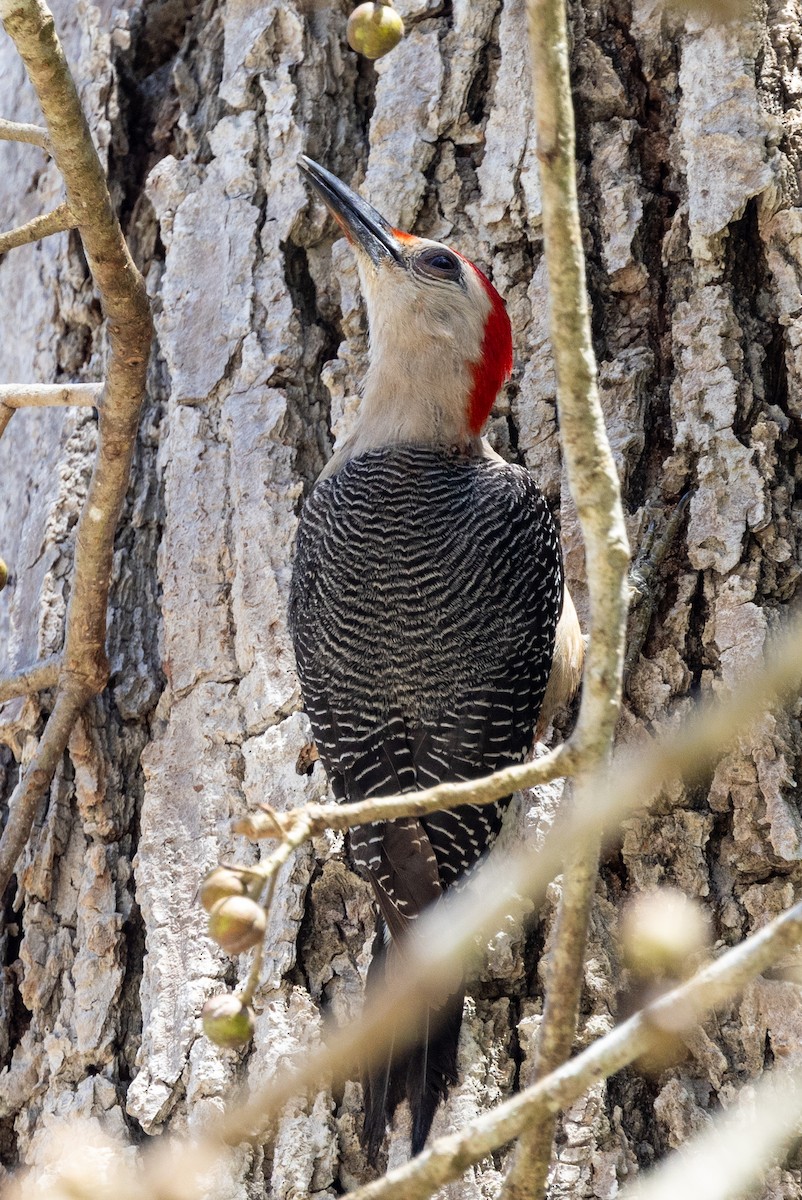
440, 337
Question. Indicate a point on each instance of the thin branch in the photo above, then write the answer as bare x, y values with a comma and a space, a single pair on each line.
127, 310
680, 1009
15, 131
6, 413
42, 226
295, 837
729, 1159
586, 450
125, 304
565, 973
248, 990
37, 395
596, 492
314, 819
33, 679
27, 795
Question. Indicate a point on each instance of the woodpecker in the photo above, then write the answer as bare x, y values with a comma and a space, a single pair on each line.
426, 593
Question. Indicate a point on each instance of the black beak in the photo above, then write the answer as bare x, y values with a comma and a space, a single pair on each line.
359, 222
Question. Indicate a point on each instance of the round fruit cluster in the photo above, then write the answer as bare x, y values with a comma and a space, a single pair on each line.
237, 923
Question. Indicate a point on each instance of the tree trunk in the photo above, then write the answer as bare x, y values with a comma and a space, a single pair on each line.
690, 152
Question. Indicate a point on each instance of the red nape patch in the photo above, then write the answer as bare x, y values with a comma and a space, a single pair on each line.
495, 362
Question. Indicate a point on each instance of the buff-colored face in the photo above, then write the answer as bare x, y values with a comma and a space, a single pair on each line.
431, 296
439, 333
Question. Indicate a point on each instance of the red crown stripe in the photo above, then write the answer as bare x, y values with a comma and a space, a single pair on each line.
404, 237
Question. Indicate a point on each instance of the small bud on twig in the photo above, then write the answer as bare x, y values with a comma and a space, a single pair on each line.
237, 924
218, 884
663, 934
227, 1021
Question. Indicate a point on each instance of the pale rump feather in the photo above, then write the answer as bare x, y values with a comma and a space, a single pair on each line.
566, 667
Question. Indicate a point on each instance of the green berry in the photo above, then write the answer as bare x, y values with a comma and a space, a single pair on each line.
237, 924
227, 1021
374, 29
218, 884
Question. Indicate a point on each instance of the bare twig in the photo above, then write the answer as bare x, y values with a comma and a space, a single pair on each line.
564, 975
6, 413
595, 489
26, 395
268, 871
315, 818
729, 1159
14, 131
33, 679
681, 1008
588, 460
42, 226
124, 299
248, 989
28, 794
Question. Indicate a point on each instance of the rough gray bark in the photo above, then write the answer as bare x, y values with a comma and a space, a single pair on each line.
689, 170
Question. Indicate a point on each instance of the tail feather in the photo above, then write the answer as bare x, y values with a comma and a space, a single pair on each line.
432, 1066
421, 1073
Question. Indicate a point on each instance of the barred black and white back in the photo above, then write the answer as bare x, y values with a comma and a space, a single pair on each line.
426, 592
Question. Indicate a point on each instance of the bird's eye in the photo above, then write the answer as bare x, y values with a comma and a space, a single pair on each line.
441, 264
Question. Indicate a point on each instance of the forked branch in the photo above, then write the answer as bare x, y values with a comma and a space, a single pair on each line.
17, 131
124, 300
56, 221
680, 1009
35, 679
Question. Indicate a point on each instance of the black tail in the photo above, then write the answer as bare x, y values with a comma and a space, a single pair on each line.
421, 1074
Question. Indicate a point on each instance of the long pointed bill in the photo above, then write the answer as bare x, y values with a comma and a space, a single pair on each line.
359, 222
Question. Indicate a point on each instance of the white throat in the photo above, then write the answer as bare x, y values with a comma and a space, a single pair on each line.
424, 340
